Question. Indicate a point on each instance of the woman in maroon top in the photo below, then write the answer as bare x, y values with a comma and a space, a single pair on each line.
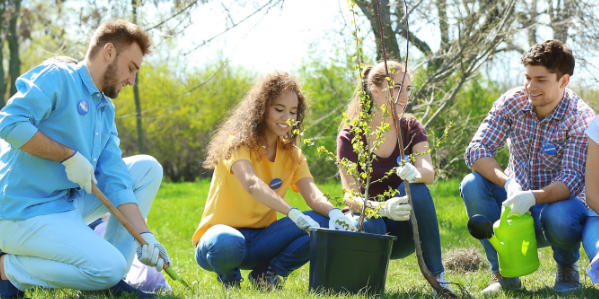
396, 211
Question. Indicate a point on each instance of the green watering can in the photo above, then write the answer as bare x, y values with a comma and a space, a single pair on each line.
514, 239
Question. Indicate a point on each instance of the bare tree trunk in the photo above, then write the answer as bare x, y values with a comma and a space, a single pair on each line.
14, 65
140, 135
370, 10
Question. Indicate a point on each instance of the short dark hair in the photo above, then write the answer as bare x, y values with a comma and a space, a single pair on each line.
121, 34
553, 55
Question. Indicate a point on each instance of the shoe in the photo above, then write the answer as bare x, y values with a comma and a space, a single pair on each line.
444, 283
8, 290
567, 279
123, 288
264, 277
499, 282
229, 284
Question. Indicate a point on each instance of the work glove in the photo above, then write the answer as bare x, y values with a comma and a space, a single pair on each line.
396, 208
80, 171
521, 202
153, 254
302, 220
511, 187
339, 221
408, 172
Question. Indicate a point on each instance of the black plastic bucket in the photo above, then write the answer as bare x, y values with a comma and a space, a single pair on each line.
351, 262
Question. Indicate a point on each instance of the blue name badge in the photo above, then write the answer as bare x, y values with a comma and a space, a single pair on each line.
83, 107
549, 149
276, 183
405, 158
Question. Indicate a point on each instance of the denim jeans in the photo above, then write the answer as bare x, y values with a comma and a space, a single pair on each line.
558, 224
428, 228
225, 250
590, 235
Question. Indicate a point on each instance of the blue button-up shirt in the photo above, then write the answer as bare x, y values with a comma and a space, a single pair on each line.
63, 102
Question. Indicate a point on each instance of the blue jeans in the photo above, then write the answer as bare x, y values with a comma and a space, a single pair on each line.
558, 224
226, 250
428, 228
590, 235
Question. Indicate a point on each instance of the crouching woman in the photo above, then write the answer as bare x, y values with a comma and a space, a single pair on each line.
256, 159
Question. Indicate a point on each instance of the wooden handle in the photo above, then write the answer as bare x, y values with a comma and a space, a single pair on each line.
120, 217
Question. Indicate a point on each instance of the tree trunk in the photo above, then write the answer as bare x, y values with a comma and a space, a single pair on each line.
370, 10
140, 134
14, 65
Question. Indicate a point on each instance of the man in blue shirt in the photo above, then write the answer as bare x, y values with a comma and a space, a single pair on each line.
57, 136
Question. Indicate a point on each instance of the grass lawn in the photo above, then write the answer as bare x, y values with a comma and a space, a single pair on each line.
176, 214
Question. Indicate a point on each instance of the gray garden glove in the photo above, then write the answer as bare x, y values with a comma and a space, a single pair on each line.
80, 171
302, 220
396, 208
511, 187
408, 172
153, 254
340, 221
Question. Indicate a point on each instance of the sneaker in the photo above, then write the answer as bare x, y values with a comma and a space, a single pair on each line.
567, 279
264, 277
499, 282
444, 283
122, 288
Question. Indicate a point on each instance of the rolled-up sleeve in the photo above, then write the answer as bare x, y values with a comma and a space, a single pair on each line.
112, 173
491, 135
36, 95
574, 158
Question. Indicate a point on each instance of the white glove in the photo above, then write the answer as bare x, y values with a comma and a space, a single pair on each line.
302, 220
521, 202
339, 221
153, 254
408, 172
396, 208
511, 187
80, 171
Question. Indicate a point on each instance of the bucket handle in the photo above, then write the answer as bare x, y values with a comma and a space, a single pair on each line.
504, 212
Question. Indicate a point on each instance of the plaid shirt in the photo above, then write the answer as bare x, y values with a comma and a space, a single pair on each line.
512, 118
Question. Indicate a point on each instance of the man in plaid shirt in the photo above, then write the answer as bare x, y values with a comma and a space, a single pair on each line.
544, 124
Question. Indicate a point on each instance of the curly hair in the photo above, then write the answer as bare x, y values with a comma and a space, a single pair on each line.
247, 121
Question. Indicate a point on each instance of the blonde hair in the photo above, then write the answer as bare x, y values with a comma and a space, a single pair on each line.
372, 74
246, 122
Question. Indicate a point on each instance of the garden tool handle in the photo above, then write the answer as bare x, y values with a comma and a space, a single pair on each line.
120, 217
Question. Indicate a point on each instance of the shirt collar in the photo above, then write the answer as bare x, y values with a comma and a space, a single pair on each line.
87, 79
558, 112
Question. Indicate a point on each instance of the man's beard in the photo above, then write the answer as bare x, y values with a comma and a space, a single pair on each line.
111, 81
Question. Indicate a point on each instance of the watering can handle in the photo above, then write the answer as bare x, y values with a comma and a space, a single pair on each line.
504, 212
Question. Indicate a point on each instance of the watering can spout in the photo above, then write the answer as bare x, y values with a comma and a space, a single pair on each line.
498, 245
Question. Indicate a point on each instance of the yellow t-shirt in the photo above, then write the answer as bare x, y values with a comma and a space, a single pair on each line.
228, 203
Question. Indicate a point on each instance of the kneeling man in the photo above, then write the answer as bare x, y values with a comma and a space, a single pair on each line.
57, 136
544, 123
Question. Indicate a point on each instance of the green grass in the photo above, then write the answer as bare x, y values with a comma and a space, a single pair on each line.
178, 208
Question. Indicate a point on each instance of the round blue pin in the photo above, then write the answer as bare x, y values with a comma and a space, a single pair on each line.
83, 107
275, 183
549, 149
405, 157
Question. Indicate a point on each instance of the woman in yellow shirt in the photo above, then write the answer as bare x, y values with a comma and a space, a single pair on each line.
256, 159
